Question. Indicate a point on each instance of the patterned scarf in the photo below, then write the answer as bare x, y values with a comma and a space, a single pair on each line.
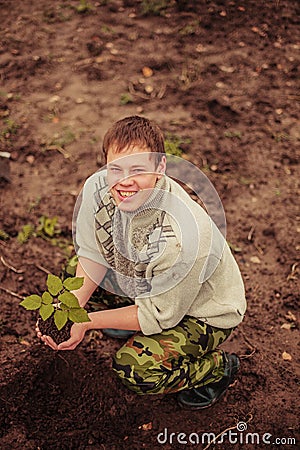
122, 236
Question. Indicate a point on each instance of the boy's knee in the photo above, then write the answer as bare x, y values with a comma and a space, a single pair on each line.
136, 374
128, 364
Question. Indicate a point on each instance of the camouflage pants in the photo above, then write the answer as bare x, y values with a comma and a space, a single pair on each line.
179, 358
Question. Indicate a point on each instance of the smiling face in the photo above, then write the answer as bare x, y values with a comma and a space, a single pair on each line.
132, 175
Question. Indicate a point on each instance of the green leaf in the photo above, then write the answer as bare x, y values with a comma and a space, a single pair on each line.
54, 284
71, 265
63, 307
46, 311
47, 298
49, 226
60, 318
72, 284
31, 302
69, 299
26, 232
3, 235
79, 315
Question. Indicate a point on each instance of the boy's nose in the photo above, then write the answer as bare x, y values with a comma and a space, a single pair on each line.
127, 181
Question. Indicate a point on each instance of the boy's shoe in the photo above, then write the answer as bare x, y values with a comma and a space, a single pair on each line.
206, 396
118, 334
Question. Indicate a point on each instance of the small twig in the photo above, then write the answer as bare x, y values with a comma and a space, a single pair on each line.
10, 267
249, 345
248, 356
60, 150
61, 357
132, 91
84, 62
225, 431
248, 342
250, 239
292, 275
259, 249
14, 294
250, 234
42, 268
162, 91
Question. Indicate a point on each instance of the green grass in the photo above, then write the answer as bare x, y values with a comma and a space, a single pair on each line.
173, 143
84, 7
153, 7
233, 134
125, 99
67, 137
10, 129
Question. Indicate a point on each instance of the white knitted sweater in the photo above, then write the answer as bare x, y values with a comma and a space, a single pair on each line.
168, 256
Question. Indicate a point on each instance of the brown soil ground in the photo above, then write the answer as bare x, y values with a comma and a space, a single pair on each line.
224, 81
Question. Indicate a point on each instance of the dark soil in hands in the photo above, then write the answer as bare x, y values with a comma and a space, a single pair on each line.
48, 328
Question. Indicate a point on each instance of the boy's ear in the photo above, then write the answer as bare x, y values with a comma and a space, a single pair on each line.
161, 168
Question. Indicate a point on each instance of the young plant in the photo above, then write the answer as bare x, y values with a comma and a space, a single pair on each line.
58, 301
153, 7
83, 7
48, 227
173, 144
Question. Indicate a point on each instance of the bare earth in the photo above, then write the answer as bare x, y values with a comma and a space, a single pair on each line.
223, 79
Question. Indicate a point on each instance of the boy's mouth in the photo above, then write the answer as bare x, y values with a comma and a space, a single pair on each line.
126, 194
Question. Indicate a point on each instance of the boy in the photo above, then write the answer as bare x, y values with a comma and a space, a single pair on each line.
183, 288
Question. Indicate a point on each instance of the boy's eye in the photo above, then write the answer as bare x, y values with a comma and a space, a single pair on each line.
114, 169
138, 170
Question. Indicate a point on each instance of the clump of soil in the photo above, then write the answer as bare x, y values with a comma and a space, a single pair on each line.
48, 328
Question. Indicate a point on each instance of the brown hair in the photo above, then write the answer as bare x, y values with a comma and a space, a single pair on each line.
131, 131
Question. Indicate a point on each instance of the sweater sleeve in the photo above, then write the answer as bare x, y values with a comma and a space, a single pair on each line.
84, 236
173, 294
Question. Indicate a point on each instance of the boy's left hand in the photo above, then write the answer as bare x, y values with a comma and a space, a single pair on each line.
77, 333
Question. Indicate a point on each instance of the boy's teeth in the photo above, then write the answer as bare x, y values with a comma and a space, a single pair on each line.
126, 193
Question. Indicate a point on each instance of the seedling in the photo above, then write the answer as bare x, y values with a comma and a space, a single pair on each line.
46, 229
173, 144
233, 134
153, 7
66, 137
58, 301
190, 28
83, 7
125, 99
10, 129
3, 235
26, 232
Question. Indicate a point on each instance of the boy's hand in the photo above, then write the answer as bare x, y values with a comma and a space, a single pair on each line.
77, 333
46, 339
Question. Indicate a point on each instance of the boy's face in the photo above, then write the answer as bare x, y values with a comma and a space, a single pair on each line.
132, 175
